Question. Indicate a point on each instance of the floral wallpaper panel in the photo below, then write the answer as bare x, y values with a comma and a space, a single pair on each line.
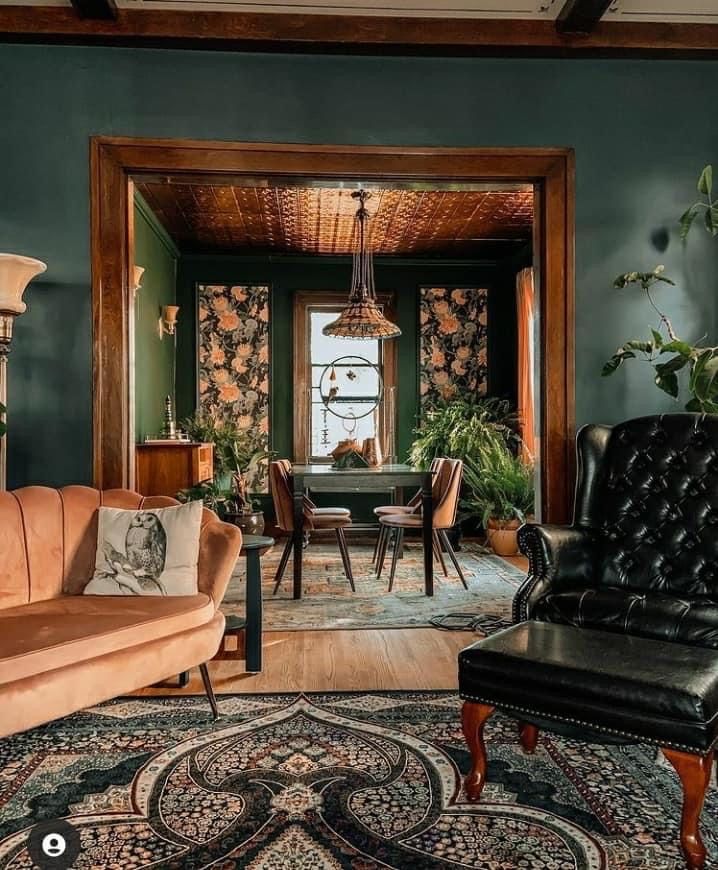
453, 342
233, 352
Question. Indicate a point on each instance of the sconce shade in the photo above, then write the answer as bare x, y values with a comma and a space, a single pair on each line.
16, 272
169, 314
137, 273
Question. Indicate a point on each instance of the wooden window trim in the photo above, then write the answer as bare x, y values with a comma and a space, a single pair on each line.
304, 302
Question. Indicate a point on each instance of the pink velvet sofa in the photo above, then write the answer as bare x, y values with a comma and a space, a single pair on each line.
61, 651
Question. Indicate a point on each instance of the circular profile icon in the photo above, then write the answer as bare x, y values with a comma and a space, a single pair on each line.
53, 845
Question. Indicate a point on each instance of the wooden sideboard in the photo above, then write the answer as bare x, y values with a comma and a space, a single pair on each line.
166, 467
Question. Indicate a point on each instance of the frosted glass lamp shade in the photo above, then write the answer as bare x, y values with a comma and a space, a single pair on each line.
16, 272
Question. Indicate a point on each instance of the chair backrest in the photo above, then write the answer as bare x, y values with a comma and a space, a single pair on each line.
649, 489
282, 496
446, 489
48, 538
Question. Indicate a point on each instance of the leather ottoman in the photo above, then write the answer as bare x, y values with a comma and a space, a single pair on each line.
618, 685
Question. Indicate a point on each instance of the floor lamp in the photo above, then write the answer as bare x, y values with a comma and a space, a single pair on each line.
16, 272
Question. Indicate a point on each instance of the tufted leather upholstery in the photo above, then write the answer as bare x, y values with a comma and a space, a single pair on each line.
641, 556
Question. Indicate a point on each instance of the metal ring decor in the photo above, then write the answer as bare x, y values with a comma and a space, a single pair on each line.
327, 388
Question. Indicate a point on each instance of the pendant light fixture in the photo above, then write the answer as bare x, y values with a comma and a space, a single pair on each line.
362, 317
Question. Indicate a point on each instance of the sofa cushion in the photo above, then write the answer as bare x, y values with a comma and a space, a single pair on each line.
689, 620
45, 635
147, 552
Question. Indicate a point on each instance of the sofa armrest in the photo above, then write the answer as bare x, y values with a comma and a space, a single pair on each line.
557, 555
219, 546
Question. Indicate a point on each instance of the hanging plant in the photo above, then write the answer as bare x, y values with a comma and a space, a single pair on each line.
667, 353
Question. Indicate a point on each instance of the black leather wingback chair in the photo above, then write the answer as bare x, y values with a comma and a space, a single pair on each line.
641, 556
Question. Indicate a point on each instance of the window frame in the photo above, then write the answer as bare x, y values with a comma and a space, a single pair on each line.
305, 302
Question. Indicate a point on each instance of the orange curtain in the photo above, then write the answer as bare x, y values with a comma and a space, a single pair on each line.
525, 320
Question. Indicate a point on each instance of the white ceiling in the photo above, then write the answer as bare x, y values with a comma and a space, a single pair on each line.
668, 11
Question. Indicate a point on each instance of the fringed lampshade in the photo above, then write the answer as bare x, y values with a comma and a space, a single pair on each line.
362, 317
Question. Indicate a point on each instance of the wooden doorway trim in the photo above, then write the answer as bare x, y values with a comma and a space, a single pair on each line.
114, 162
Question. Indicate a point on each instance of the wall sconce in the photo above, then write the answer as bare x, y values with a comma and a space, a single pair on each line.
137, 273
16, 272
167, 323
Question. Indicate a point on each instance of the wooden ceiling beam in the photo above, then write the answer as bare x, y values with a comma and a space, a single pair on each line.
355, 34
103, 10
581, 16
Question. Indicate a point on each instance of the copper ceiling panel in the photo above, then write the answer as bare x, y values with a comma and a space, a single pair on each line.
321, 220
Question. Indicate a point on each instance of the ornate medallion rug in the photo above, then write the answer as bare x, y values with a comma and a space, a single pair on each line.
327, 781
329, 603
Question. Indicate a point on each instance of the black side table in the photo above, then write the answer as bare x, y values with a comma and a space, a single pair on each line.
253, 546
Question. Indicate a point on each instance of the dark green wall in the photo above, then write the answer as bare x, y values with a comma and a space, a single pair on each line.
153, 358
287, 275
641, 131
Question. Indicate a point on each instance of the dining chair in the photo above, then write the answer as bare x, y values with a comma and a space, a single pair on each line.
445, 492
386, 510
314, 518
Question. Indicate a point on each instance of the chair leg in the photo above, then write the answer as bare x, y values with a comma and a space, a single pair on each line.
344, 550
694, 772
398, 542
209, 690
438, 553
282, 564
473, 718
528, 736
377, 544
388, 532
444, 538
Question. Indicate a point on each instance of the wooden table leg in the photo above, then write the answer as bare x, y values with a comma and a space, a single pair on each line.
528, 736
473, 719
694, 772
253, 630
427, 509
297, 534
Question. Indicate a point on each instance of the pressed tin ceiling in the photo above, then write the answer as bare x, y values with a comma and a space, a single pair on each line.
320, 220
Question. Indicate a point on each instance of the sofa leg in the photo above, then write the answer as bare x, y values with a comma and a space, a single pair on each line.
694, 772
528, 736
209, 690
473, 719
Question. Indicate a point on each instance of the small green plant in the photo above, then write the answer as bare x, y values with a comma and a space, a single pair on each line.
499, 484
458, 428
709, 206
240, 466
668, 354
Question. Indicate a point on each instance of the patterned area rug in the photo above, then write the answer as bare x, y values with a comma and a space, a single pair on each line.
330, 781
329, 603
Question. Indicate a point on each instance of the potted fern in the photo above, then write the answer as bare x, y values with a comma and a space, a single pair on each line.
500, 489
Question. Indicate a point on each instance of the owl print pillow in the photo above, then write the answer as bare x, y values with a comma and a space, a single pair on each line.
147, 552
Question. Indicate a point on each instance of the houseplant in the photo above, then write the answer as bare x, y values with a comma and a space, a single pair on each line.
500, 489
665, 351
239, 470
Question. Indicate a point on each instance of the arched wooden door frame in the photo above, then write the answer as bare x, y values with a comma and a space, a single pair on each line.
114, 161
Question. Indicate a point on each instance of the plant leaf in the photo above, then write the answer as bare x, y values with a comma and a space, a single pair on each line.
657, 338
668, 382
677, 346
616, 360
686, 220
705, 182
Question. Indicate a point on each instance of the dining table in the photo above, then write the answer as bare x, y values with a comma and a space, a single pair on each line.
320, 477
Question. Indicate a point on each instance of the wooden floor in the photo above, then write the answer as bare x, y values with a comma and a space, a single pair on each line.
344, 661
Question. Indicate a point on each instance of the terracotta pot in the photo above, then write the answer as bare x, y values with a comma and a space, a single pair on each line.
250, 524
501, 536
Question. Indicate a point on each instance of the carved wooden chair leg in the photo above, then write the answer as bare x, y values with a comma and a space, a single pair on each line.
398, 544
438, 553
209, 690
473, 718
694, 772
282, 564
528, 737
377, 544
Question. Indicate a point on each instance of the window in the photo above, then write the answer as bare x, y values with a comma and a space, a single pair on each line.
318, 430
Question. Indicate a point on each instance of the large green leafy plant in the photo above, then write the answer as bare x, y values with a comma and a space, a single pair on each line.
499, 484
458, 429
240, 466
665, 351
